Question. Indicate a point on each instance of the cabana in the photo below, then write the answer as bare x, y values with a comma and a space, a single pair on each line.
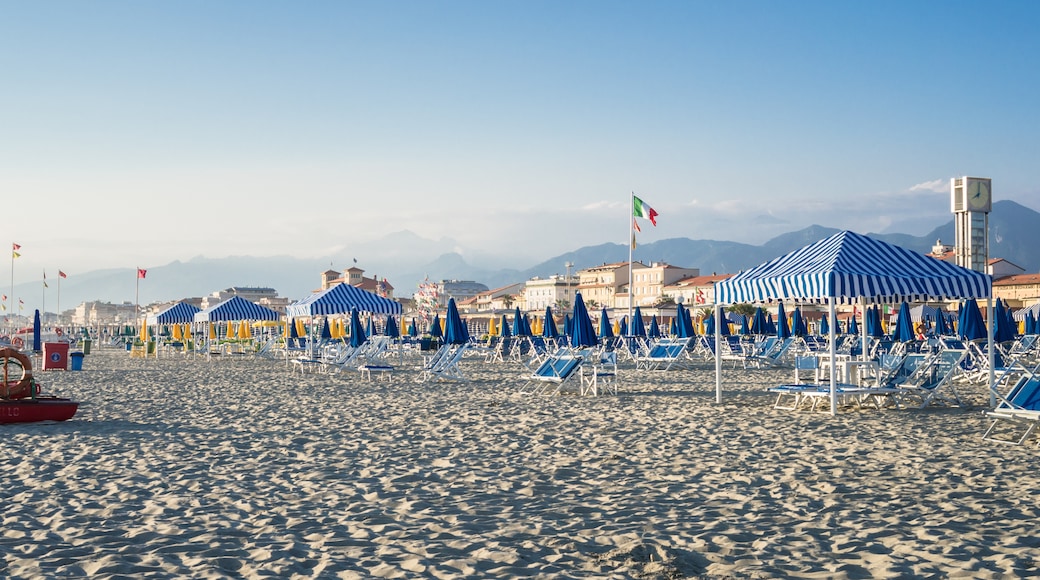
849, 268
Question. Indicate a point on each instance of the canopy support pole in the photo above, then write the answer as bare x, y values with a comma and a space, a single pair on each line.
834, 356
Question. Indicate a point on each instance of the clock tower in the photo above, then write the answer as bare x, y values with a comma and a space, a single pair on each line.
971, 199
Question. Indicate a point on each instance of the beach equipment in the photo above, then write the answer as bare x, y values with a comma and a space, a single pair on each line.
1019, 409
20, 399
904, 330
455, 331
178, 313
357, 330
340, 299
549, 329
492, 329
744, 330
759, 325
503, 328
606, 330
664, 354
683, 322
853, 327
519, 326
782, 330
709, 325
654, 330
638, 328
436, 329
555, 373
583, 334
849, 268
971, 325
444, 363
824, 326
392, 329
234, 309
798, 327
932, 381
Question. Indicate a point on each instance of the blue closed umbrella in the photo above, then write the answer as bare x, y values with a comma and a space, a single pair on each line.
568, 324
638, 329
724, 331
709, 326
782, 330
1030, 323
455, 331
370, 327
770, 324
853, 327
435, 326
972, 327
684, 322
673, 328
357, 331
392, 330
503, 328
798, 327
37, 347
605, 329
293, 333
758, 322
584, 334
904, 330
744, 330
518, 324
873, 322
1003, 330
549, 327
654, 331
412, 329
623, 326
326, 331
825, 326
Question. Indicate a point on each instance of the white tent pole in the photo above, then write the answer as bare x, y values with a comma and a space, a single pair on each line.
989, 340
718, 352
834, 355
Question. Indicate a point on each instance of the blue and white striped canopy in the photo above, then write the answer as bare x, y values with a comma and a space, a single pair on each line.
849, 267
236, 308
179, 313
340, 299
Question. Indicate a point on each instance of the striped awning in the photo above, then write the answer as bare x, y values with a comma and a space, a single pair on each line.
236, 308
340, 299
850, 267
179, 313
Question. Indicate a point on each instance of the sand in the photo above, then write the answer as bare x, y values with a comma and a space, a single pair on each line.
176, 467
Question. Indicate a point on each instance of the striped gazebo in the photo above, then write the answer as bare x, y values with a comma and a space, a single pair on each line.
849, 268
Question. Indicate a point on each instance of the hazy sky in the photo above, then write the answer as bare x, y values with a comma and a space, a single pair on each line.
137, 133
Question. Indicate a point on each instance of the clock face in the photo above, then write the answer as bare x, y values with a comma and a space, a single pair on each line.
978, 194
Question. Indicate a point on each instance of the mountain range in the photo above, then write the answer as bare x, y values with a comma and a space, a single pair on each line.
405, 259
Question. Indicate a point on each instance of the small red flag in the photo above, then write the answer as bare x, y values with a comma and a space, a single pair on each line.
141, 272
61, 274
15, 247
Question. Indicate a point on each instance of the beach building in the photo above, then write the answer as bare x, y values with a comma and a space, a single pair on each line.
1018, 291
648, 283
496, 300
555, 291
600, 285
695, 291
460, 290
267, 297
356, 278
95, 312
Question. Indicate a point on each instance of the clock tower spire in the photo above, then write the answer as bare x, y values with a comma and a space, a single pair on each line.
971, 199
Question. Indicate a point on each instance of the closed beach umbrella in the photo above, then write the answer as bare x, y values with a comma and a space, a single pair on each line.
212, 331
904, 330
638, 328
606, 330
584, 334
853, 327
370, 327
724, 330
392, 330
435, 326
326, 330
683, 322
782, 330
709, 326
549, 327
568, 324
454, 329
230, 333
798, 323
758, 322
244, 331
1030, 323
825, 327
622, 327
973, 327
744, 330
503, 327
413, 330
673, 327
654, 330
37, 346
357, 330
492, 328
177, 332
1003, 331
518, 323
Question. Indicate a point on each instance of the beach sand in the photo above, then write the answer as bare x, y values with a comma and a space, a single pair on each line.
176, 467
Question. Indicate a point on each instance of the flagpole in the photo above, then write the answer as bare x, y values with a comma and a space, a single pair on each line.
631, 244
43, 299
137, 298
11, 300
57, 306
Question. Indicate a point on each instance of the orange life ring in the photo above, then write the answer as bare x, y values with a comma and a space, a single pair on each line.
22, 387
17, 341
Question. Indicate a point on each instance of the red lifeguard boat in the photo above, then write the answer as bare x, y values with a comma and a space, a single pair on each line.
20, 399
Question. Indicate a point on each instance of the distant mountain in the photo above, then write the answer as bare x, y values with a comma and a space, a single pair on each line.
406, 259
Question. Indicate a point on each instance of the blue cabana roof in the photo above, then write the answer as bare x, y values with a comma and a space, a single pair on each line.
179, 313
849, 267
235, 308
340, 299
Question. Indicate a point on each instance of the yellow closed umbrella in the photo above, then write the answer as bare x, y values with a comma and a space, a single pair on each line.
177, 332
230, 330
244, 331
212, 331
285, 329
492, 328
144, 331
404, 327
301, 328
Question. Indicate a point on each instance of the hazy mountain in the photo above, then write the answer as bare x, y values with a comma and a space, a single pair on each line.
405, 259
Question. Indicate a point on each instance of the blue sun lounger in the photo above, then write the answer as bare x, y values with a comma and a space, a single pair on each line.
1021, 408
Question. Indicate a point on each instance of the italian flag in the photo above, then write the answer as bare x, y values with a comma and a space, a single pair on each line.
641, 210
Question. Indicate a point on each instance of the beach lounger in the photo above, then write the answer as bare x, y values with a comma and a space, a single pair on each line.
664, 355
444, 364
930, 382
1019, 409
554, 374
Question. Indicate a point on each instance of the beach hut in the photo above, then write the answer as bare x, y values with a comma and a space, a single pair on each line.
340, 299
849, 268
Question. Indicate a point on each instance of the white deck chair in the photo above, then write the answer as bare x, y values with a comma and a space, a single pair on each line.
931, 381
444, 364
1019, 408
664, 354
601, 376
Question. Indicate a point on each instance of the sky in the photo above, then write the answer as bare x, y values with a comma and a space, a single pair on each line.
133, 134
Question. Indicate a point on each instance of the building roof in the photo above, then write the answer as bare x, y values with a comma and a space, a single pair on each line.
699, 280
1018, 280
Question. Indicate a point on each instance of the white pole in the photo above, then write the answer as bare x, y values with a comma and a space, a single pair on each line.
834, 356
631, 242
718, 352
